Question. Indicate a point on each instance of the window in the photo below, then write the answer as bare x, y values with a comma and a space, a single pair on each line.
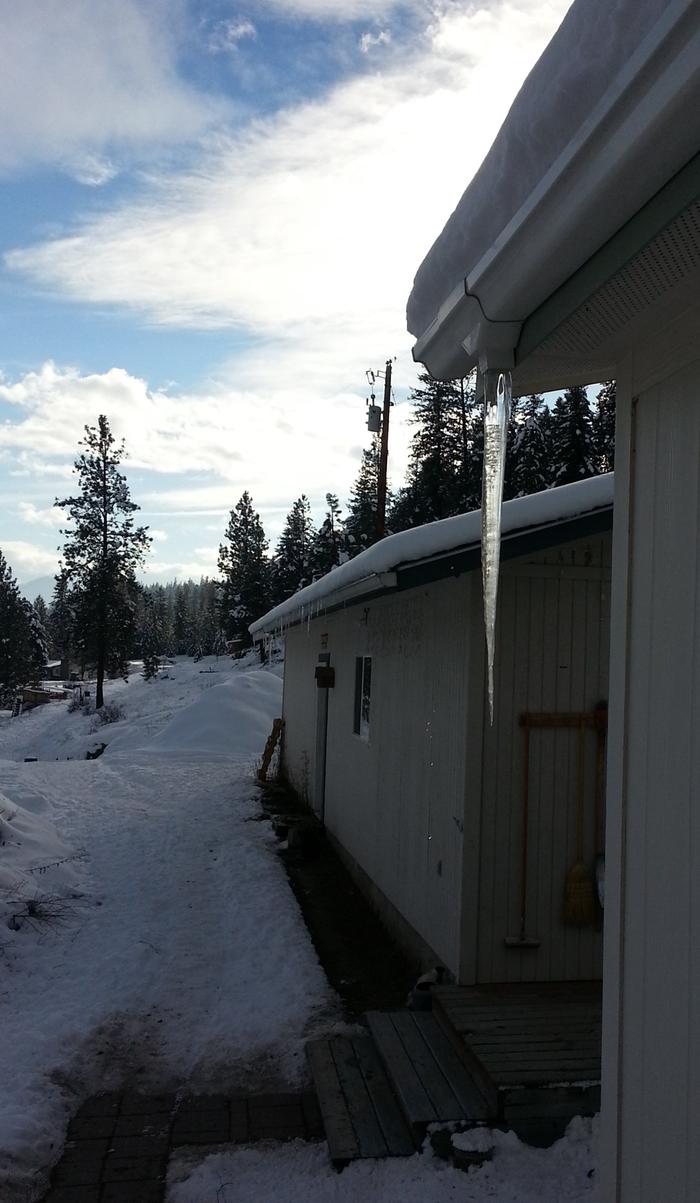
363, 687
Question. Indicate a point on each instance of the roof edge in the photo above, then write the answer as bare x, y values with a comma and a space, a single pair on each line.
579, 203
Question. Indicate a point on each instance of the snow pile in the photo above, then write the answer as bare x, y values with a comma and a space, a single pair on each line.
298, 1173
229, 720
547, 508
38, 870
186, 965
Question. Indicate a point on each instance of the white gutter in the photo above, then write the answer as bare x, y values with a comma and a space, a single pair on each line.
639, 135
310, 602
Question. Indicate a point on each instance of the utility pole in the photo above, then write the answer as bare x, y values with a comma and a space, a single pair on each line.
380, 526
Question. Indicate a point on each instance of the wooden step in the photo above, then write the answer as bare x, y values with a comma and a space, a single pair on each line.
430, 1079
360, 1113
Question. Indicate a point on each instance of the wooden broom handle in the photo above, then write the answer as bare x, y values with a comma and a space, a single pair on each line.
524, 849
579, 788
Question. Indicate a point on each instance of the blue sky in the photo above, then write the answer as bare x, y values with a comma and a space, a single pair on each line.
211, 218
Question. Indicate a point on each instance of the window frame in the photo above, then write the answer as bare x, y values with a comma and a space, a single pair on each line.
363, 697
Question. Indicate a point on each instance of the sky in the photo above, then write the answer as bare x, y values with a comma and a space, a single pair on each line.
212, 214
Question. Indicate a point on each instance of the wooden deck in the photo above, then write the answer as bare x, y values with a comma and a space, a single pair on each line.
533, 1047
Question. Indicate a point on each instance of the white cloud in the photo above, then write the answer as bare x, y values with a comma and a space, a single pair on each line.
303, 231
27, 560
340, 10
369, 40
225, 36
168, 570
158, 536
51, 517
92, 169
222, 442
80, 76
307, 228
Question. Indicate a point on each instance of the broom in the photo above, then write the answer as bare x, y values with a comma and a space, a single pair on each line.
579, 898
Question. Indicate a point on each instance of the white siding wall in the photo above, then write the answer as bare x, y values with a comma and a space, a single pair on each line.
395, 802
302, 646
652, 987
552, 655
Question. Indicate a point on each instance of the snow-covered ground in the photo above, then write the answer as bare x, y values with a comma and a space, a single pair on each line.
149, 938
298, 1173
168, 950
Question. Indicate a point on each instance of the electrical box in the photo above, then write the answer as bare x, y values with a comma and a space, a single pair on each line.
374, 419
325, 676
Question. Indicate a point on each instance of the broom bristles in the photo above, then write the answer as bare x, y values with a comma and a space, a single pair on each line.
579, 897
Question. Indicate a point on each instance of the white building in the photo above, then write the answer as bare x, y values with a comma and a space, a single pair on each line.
574, 257
395, 752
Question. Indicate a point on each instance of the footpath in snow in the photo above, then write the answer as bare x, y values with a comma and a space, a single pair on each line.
168, 950
149, 939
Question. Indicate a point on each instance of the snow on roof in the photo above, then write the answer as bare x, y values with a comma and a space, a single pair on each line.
593, 44
369, 571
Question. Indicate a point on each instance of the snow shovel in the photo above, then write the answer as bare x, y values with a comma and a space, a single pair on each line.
522, 940
579, 897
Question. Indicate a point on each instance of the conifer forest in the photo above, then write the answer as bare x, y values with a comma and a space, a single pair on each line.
99, 616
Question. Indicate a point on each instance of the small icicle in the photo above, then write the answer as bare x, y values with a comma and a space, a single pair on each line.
497, 399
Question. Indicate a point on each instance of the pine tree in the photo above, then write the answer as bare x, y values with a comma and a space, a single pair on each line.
62, 622
22, 652
151, 639
604, 426
181, 632
42, 616
573, 450
245, 571
101, 553
292, 567
361, 520
330, 544
444, 475
437, 448
529, 456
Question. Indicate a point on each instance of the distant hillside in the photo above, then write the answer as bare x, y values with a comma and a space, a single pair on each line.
38, 585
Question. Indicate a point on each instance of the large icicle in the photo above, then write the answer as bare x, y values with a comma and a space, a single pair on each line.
497, 399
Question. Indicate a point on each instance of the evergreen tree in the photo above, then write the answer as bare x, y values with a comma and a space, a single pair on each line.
22, 652
292, 567
101, 553
437, 448
444, 474
604, 426
529, 454
245, 571
330, 548
62, 621
361, 520
151, 639
41, 611
573, 449
181, 619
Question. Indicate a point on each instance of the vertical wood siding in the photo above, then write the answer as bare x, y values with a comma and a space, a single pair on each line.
302, 645
552, 655
395, 801
659, 1068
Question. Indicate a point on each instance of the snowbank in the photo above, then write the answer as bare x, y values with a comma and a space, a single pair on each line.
38, 870
434, 539
185, 963
299, 1173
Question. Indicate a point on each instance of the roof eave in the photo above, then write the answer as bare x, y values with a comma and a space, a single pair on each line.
633, 142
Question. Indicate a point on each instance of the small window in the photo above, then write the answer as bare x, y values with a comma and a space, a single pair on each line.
363, 688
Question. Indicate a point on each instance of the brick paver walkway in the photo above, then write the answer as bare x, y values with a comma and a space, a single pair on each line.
118, 1145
